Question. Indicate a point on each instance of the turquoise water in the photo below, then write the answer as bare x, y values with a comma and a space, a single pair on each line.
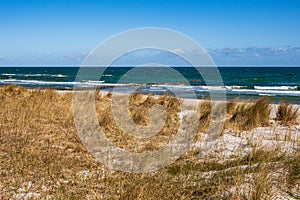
279, 83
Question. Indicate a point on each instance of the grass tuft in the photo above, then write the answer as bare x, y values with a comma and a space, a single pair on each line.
205, 109
286, 114
247, 116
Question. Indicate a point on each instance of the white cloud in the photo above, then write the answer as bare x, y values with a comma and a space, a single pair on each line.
257, 56
225, 56
178, 51
73, 57
255, 51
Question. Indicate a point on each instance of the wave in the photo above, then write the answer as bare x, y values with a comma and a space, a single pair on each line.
265, 92
33, 75
235, 90
50, 83
241, 90
8, 74
264, 87
59, 76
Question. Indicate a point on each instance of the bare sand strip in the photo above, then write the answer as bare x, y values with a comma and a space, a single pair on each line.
192, 102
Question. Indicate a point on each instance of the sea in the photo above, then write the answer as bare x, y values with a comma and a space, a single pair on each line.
277, 83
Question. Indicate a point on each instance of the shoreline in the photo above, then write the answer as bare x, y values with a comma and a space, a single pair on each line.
237, 99
186, 101
197, 102
276, 94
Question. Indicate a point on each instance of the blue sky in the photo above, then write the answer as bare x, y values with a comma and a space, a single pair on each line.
235, 32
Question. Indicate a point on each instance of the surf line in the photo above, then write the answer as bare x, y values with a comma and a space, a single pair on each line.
139, 84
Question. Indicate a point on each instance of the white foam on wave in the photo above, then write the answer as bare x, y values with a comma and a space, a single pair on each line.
275, 87
35, 82
262, 87
34, 75
183, 87
258, 90
266, 92
62, 83
8, 74
236, 87
59, 75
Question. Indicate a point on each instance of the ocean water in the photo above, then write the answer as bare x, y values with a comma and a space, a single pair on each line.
278, 83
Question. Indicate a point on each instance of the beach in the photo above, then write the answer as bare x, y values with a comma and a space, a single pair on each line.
43, 156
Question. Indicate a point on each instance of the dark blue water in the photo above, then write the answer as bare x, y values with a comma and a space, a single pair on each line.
279, 83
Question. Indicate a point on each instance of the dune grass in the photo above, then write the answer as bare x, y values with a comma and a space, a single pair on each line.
246, 116
286, 114
42, 156
139, 110
205, 109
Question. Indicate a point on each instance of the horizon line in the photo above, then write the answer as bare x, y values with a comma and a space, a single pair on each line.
37, 65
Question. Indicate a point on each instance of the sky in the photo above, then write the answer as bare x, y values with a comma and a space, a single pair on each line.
235, 32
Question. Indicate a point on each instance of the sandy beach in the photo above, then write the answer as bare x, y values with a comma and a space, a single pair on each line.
43, 156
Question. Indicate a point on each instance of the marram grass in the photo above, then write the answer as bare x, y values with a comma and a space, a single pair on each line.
42, 156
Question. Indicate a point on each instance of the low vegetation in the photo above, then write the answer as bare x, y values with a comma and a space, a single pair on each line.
246, 116
205, 109
42, 156
286, 114
139, 109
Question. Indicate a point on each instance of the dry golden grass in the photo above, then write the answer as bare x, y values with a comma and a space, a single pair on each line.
246, 116
205, 109
139, 110
232, 105
41, 155
286, 114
